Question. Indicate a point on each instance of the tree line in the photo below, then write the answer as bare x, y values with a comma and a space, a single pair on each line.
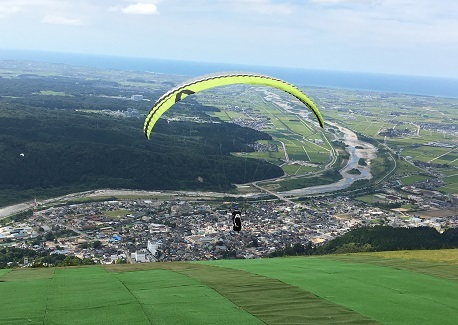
377, 239
11, 257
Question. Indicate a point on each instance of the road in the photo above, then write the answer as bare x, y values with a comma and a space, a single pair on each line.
357, 149
276, 194
21, 207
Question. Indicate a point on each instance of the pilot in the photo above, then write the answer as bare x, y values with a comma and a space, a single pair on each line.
236, 219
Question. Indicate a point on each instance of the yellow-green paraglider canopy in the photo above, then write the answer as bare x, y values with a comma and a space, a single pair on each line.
221, 79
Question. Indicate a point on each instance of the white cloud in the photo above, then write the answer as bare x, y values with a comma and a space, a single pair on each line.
8, 10
327, 1
346, 2
344, 34
137, 9
268, 7
56, 20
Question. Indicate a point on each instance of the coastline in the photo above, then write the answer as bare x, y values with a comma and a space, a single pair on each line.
376, 82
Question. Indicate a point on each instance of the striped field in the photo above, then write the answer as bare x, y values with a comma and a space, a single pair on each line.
386, 288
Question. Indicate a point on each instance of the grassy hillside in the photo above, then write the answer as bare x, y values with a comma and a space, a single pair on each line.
387, 288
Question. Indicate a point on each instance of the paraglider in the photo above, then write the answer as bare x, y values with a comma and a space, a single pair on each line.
205, 82
222, 79
236, 219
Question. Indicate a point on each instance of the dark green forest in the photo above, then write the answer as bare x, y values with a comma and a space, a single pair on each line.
49, 147
384, 238
377, 239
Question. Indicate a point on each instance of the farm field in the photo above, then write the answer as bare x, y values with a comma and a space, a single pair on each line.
409, 180
451, 184
391, 287
420, 129
408, 125
300, 138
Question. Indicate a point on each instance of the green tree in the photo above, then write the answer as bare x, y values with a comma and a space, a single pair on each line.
97, 244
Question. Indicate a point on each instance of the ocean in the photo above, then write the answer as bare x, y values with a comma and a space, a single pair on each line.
414, 85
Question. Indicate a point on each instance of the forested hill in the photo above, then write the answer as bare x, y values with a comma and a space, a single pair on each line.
384, 238
49, 151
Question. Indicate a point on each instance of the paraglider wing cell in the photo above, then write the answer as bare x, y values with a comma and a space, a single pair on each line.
205, 82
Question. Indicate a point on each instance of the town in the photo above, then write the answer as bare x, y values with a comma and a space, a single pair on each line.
186, 229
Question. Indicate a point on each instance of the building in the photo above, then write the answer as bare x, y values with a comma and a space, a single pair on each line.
140, 256
152, 246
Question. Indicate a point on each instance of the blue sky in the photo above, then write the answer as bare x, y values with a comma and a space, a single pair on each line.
415, 37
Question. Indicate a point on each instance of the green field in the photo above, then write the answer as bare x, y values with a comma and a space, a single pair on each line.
116, 213
409, 180
389, 288
402, 122
302, 140
52, 93
451, 184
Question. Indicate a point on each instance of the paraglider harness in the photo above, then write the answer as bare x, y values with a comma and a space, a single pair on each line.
236, 219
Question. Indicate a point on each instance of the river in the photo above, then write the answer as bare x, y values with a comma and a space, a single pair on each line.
357, 149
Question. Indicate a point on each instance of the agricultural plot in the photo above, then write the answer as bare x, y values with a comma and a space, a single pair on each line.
302, 140
297, 126
419, 128
222, 116
116, 213
433, 154
409, 180
297, 152
450, 173
27, 274
353, 122
90, 294
451, 184
374, 127
449, 158
52, 93
367, 198
295, 169
405, 168
419, 288
276, 158
292, 169
441, 263
317, 155
386, 295
23, 302
169, 297
429, 135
